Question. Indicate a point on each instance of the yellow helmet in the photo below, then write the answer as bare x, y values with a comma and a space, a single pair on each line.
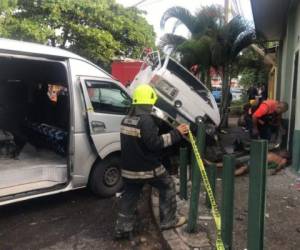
144, 94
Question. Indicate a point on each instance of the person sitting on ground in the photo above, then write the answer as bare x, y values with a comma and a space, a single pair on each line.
266, 119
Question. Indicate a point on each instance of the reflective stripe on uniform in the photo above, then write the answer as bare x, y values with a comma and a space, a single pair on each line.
132, 120
167, 140
130, 131
143, 175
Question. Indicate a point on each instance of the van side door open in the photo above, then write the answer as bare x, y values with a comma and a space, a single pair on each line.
106, 104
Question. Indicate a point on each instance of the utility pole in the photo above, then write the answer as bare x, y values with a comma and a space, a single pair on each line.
226, 7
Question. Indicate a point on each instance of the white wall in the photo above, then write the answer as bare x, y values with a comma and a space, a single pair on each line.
297, 48
291, 44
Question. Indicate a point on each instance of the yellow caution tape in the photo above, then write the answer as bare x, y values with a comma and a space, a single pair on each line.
215, 211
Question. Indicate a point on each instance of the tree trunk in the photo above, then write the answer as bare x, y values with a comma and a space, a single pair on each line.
202, 76
65, 38
53, 42
225, 97
208, 80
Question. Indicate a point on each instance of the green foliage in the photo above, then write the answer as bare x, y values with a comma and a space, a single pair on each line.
248, 77
236, 107
226, 40
213, 42
96, 29
252, 69
196, 51
6, 4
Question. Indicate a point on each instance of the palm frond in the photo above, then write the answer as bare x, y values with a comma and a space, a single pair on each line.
234, 28
245, 39
171, 40
181, 14
176, 25
209, 19
196, 51
218, 54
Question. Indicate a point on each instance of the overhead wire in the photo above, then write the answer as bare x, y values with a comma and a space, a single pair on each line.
138, 3
150, 3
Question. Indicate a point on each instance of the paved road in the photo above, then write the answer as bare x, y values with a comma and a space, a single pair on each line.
74, 220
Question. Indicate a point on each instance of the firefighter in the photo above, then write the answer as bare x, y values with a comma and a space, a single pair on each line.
141, 148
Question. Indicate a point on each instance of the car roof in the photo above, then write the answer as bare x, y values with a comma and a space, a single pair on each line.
35, 49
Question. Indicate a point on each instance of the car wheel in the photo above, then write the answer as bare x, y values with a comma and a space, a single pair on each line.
106, 177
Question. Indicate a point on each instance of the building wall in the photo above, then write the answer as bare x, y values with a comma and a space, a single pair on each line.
290, 45
297, 48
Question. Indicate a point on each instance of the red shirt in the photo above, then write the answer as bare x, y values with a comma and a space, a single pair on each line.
265, 108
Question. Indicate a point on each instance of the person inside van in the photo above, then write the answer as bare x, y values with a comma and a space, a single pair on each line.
266, 118
141, 153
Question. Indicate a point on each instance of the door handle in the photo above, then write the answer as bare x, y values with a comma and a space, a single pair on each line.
98, 127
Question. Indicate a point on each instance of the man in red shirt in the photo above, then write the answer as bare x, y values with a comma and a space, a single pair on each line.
266, 118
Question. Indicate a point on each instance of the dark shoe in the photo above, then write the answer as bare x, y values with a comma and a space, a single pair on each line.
179, 222
118, 235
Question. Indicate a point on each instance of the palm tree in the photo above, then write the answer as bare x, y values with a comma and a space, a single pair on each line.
212, 41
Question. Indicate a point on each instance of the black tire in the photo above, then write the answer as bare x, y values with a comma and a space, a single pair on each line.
106, 179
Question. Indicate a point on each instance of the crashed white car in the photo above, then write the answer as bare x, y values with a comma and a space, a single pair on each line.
182, 97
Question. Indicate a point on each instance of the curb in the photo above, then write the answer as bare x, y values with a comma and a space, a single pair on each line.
178, 238
154, 213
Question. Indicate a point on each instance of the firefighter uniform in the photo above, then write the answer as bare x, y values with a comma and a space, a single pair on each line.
141, 148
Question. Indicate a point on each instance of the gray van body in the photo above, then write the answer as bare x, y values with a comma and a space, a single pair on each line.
87, 144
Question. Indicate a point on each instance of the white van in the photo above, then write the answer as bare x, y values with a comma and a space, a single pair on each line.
60, 118
59, 123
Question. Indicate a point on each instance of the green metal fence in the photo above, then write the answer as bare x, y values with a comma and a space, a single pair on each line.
257, 189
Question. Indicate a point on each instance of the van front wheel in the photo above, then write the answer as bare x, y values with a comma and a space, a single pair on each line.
106, 178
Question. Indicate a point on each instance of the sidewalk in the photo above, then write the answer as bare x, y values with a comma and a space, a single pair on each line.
282, 228
204, 239
178, 238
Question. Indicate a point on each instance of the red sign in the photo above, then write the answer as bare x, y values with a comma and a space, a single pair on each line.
125, 71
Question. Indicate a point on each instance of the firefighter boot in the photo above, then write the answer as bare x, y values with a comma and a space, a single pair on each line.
124, 227
180, 220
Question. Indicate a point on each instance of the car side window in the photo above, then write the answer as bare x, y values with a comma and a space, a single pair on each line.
106, 97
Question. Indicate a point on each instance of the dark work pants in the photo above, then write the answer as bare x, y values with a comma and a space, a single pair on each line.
266, 131
132, 191
248, 121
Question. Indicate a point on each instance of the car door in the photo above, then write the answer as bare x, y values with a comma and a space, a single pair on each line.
106, 104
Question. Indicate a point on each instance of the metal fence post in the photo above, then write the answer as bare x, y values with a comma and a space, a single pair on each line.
194, 200
183, 173
296, 151
212, 176
257, 190
227, 200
